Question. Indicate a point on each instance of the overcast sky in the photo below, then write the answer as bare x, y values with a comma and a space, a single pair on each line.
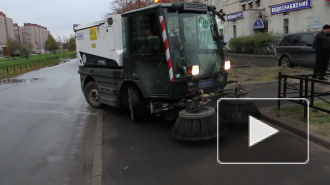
57, 15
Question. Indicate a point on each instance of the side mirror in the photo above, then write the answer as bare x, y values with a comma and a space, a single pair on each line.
154, 45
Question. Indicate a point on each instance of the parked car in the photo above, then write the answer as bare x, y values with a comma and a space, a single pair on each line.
296, 50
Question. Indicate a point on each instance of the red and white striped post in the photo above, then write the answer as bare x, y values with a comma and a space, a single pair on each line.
167, 50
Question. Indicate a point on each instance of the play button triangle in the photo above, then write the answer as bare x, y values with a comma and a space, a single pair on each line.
259, 131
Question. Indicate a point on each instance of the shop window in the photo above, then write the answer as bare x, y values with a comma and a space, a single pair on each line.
234, 31
286, 26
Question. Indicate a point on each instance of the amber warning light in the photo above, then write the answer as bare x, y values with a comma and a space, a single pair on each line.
157, 1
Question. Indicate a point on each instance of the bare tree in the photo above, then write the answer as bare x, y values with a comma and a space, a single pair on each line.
121, 6
12, 46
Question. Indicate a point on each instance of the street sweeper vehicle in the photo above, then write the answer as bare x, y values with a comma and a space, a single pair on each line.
165, 59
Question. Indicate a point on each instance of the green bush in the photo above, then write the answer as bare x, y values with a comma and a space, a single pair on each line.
259, 43
25, 52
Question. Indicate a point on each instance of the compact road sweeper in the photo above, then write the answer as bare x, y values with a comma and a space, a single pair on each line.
165, 59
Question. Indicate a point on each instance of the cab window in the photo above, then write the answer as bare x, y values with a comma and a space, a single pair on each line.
144, 33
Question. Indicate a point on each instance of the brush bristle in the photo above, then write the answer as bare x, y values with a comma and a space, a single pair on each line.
197, 129
236, 112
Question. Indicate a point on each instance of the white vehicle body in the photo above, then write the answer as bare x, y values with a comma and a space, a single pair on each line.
100, 43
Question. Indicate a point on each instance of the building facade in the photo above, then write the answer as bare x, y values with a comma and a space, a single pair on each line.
33, 36
246, 17
10, 28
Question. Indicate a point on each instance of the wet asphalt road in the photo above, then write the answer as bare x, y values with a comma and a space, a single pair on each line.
46, 128
147, 154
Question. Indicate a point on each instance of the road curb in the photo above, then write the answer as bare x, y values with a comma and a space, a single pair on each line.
252, 56
313, 136
97, 162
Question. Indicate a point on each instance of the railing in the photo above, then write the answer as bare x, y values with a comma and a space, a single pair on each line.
13, 69
304, 88
73, 56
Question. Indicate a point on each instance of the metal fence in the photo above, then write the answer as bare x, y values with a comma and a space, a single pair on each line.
13, 69
73, 56
303, 86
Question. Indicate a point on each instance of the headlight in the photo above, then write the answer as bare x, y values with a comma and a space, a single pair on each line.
193, 70
227, 65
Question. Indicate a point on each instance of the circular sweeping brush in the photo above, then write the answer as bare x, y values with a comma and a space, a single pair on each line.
197, 126
236, 112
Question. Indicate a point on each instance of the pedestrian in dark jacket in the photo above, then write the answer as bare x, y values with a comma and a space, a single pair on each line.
322, 49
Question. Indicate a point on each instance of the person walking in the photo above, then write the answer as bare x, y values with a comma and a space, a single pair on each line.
322, 49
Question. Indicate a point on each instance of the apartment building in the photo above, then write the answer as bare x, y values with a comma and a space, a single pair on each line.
6, 31
245, 17
32, 35
10, 28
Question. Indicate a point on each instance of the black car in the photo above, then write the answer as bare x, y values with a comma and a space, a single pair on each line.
296, 50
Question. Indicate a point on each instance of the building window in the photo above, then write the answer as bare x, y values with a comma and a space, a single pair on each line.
221, 31
234, 31
286, 26
243, 7
250, 5
258, 3
212, 2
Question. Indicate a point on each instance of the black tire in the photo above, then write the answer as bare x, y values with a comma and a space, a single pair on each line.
92, 95
285, 62
137, 105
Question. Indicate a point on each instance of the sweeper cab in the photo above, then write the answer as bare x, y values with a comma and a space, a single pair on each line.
154, 60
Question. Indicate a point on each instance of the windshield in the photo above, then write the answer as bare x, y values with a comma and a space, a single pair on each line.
191, 42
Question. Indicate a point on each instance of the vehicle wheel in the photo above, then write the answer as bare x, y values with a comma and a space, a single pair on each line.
137, 106
92, 95
285, 62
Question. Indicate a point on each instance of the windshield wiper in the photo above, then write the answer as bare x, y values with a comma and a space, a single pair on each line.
214, 60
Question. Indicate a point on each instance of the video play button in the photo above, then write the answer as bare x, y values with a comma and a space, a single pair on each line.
259, 131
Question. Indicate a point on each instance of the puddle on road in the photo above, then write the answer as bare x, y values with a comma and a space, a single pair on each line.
14, 80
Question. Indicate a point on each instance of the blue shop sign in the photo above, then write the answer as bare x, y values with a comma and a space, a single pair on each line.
296, 5
258, 24
234, 16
